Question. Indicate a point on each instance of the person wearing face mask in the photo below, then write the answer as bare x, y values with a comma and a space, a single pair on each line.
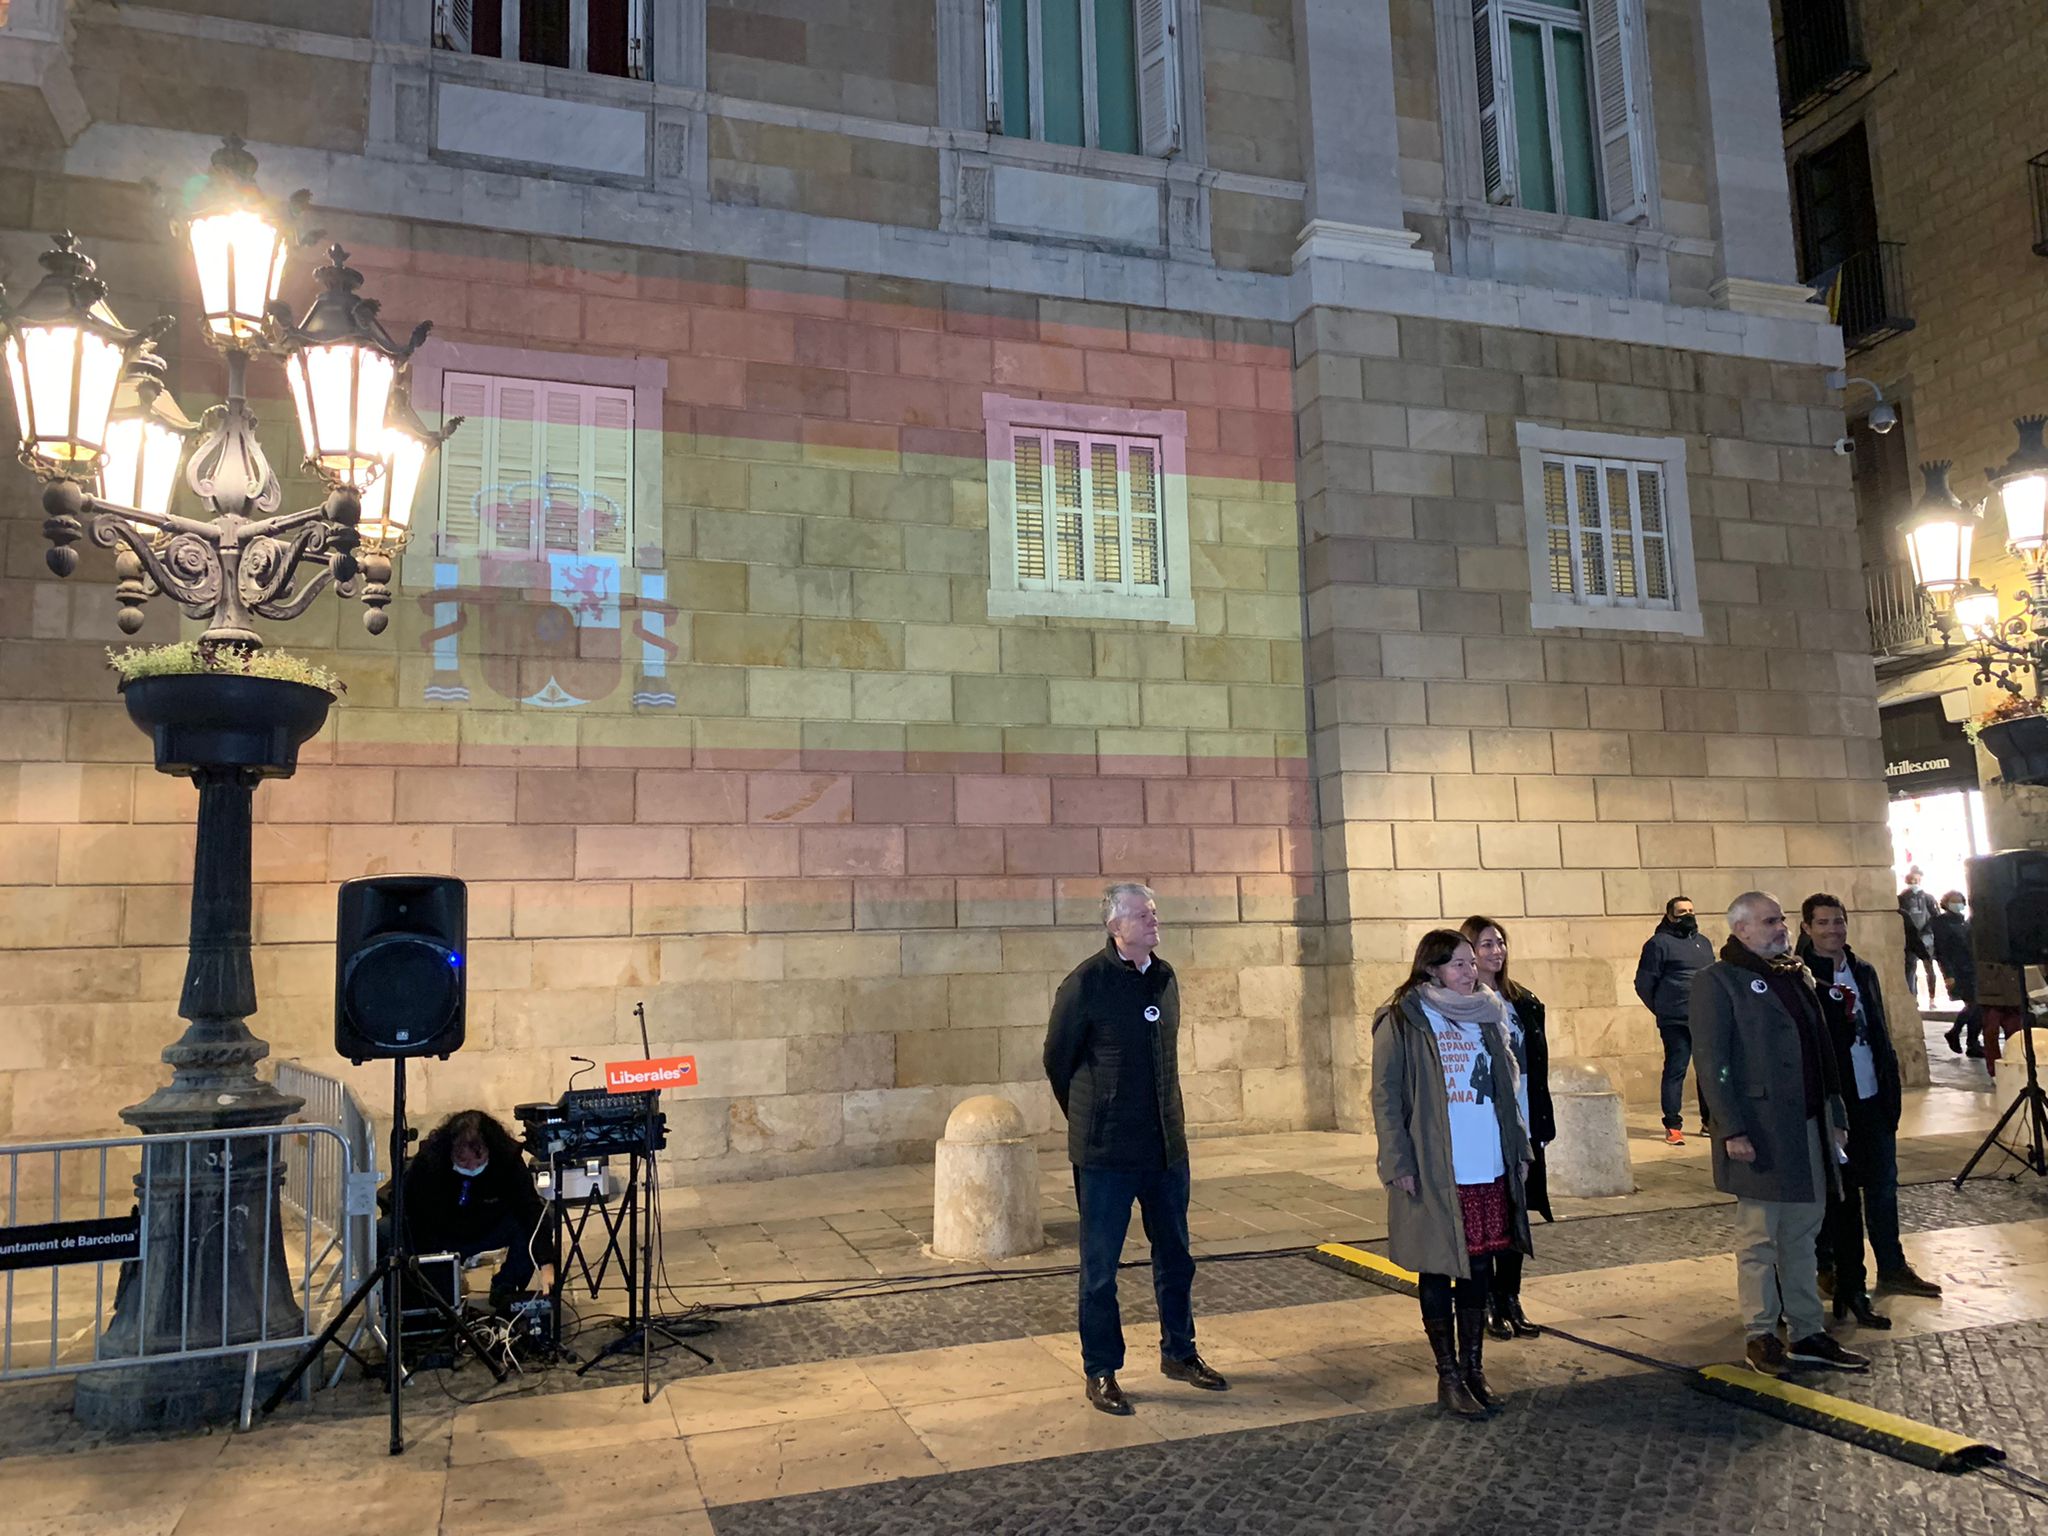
1958, 964
467, 1192
1671, 957
1774, 1100
1453, 1153
1916, 915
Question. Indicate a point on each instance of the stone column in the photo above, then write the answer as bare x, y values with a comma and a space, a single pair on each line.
1752, 209
1344, 59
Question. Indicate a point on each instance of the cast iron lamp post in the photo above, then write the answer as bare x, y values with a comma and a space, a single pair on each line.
2002, 649
100, 429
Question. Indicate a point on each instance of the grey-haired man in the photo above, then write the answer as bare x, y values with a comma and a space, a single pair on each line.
1112, 1057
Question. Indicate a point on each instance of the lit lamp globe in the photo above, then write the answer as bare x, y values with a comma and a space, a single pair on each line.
2023, 488
146, 439
1938, 538
341, 365
238, 248
408, 442
65, 352
1976, 611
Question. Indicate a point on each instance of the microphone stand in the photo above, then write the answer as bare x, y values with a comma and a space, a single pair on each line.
2031, 1099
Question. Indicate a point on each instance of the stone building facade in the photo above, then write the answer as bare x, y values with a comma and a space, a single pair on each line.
939, 522
1936, 106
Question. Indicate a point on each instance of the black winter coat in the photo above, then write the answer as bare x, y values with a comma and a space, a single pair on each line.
1115, 1072
1542, 1113
1953, 954
1664, 974
1842, 1030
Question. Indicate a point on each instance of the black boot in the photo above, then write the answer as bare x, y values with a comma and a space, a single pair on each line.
1497, 1322
1452, 1395
1471, 1352
1953, 1035
1519, 1320
1858, 1302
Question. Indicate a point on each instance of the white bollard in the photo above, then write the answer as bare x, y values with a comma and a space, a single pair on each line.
985, 1184
1590, 1155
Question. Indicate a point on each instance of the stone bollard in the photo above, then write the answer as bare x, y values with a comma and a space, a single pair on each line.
1590, 1154
985, 1184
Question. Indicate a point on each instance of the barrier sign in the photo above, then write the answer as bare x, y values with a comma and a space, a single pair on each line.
643, 1076
71, 1242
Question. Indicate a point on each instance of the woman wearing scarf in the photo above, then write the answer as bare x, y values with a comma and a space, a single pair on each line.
1532, 1061
1453, 1153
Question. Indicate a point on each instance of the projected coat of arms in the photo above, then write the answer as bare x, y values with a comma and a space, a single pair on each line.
550, 623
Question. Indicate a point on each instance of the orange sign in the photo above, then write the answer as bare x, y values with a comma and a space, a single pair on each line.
640, 1076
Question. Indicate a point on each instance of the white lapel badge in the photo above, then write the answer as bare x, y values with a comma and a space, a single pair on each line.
1152, 1014
1759, 985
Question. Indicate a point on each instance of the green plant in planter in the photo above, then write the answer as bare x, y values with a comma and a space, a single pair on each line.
184, 658
2017, 706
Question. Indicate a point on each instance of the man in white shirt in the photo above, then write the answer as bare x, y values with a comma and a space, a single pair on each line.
1853, 1002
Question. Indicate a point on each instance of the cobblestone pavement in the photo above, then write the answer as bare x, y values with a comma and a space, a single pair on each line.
1641, 1455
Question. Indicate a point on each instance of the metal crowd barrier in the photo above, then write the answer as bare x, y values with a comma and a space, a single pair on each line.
249, 1275
331, 1196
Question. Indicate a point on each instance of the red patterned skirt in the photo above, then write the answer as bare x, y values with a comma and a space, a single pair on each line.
1485, 1208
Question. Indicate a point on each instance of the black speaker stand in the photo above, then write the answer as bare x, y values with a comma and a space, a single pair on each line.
2032, 1101
392, 1269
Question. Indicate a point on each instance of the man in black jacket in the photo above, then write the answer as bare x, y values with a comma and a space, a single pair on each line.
1868, 1068
1112, 1056
1672, 956
1916, 913
1958, 962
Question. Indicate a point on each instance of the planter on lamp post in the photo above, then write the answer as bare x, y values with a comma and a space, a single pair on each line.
2021, 747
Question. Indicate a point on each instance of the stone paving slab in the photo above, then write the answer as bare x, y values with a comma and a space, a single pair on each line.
1643, 1454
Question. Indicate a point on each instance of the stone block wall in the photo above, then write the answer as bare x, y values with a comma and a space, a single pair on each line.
1569, 781
869, 58
848, 866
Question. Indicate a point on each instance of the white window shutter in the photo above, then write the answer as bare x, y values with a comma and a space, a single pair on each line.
1158, 33
465, 469
512, 493
1496, 101
1618, 105
452, 24
610, 479
992, 61
565, 446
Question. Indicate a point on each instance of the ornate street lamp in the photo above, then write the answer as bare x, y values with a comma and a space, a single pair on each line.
1938, 538
386, 522
65, 352
98, 427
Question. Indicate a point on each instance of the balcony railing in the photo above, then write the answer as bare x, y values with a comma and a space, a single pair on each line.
1899, 614
1872, 305
1820, 53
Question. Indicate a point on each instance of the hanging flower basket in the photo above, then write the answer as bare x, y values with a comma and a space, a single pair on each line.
2021, 747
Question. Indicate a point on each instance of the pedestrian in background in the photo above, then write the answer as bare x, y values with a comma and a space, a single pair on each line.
1531, 1045
1775, 1104
1112, 1056
1672, 956
1868, 1068
1958, 972
1916, 913
1453, 1153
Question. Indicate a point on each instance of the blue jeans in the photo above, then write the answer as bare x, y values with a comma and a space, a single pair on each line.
1105, 1196
1870, 1202
1677, 1061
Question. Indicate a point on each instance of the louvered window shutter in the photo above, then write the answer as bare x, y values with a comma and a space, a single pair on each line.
463, 464
453, 22
512, 493
992, 63
610, 477
1158, 31
1618, 107
1028, 457
1496, 101
564, 446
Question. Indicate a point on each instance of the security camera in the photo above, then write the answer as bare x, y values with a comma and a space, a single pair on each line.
1845, 447
1883, 418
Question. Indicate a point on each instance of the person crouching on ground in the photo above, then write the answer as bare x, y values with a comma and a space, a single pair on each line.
1775, 1102
467, 1192
1453, 1153
1532, 1060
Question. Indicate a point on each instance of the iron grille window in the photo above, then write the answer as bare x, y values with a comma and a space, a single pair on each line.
1087, 512
1606, 537
599, 37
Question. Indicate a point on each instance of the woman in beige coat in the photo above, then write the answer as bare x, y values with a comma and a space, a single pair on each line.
1453, 1152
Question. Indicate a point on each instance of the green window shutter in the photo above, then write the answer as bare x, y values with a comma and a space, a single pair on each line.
1581, 194
1496, 101
1062, 115
1116, 77
1157, 26
1618, 107
1531, 102
1009, 45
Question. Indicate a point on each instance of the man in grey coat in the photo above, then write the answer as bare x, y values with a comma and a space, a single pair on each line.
1774, 1099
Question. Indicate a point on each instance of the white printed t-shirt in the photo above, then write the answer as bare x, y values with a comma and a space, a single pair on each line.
1476, 1157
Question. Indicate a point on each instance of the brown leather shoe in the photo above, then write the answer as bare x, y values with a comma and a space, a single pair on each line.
1194, 1371
1905, 1282
1104, 1393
